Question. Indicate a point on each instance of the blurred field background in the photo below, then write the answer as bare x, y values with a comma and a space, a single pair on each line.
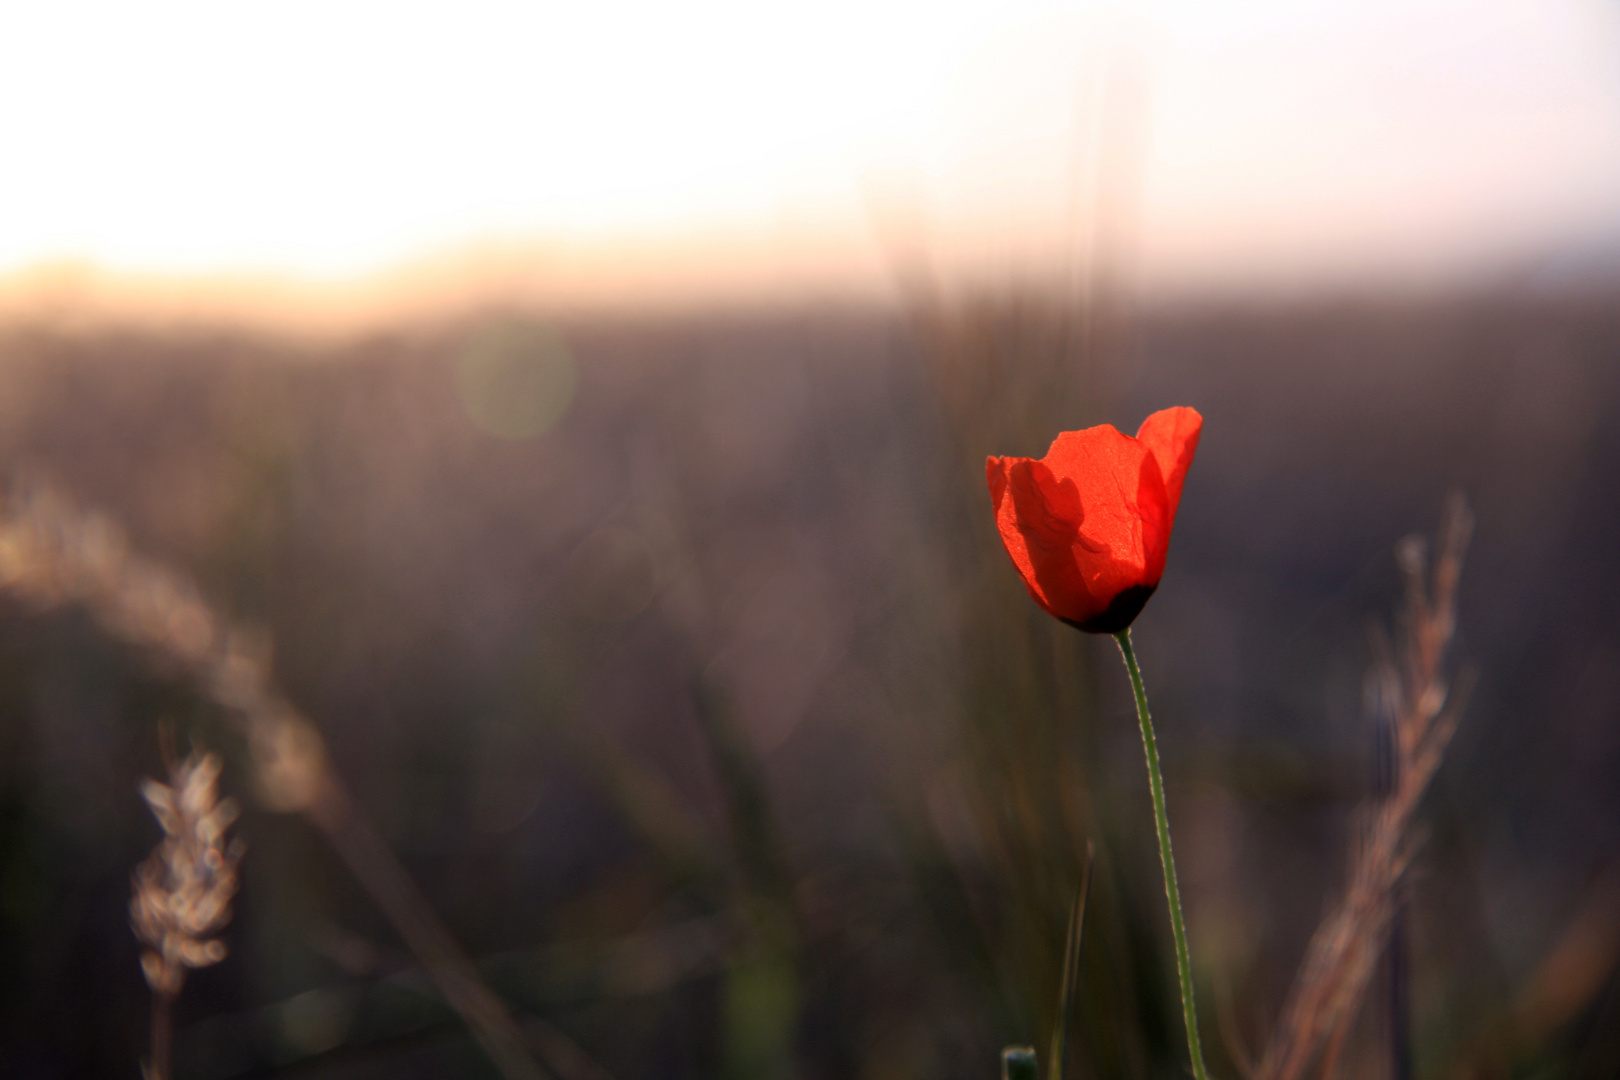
647, 598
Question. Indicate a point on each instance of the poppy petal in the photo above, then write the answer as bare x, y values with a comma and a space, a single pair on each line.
1107, 469
1039, 524
1171, 435
1049, 517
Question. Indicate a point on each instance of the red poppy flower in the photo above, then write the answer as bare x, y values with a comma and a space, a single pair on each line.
1088, 525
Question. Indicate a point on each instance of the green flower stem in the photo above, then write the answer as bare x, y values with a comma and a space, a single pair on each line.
1172, 891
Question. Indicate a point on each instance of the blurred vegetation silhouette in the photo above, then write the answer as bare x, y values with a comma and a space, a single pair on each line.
676, 662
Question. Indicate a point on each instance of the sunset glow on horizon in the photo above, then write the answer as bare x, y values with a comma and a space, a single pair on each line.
331, 142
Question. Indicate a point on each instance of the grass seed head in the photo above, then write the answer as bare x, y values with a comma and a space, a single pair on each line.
182, 892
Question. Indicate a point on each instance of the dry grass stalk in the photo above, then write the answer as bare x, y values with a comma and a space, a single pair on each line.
1340, 959
182, 892
53, 554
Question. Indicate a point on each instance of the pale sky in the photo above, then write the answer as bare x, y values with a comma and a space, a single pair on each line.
1273, 140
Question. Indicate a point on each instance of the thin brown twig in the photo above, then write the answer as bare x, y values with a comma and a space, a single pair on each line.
373, 864
157, 1063
1335, 1049
1339, 961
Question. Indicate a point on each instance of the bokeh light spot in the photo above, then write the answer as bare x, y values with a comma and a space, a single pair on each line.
516, 379
316, 1021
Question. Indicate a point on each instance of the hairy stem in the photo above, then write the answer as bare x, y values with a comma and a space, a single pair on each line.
1167, 859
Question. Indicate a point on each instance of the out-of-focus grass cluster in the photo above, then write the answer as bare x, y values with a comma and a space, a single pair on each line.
676, 662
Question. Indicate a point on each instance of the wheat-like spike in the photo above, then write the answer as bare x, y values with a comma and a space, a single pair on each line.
182, 892
1339, 961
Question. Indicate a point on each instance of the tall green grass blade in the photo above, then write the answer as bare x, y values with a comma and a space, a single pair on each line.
1071, 971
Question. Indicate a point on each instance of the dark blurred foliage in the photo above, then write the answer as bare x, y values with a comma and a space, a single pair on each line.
715, 725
